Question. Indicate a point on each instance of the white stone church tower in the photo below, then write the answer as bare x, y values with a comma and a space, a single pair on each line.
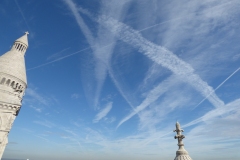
13, 83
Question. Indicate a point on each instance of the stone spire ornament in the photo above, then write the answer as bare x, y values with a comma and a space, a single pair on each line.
181, 153
13, 82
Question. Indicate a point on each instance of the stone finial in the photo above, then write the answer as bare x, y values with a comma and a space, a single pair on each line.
179, 135
181, 152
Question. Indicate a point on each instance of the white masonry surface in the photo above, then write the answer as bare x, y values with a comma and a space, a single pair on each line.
13, 82
181, 153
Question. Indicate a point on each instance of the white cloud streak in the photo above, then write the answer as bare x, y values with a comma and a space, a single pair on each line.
161, 56
218, 87
152, 96
100, 69
57, 55
80, 21
103, 113
166, 59
75, 96
221, 111
38, 97
102, 54
21, 12
45, 123
58, 59
120, 88
36, 109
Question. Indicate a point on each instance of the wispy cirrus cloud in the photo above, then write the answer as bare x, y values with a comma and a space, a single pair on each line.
161, 56
196, 81
196, 18
21, 12
100, 68
205, 127
57, 55
221, 111
75, 96
102, 45
45, 123
36, 96
80, 21
166, 58
151, 97
36, 109
147, 118
103, 113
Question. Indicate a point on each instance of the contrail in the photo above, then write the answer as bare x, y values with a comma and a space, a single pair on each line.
102, 57
55, 54
72, 54
174, 19
58, 59
228, 108
103, 113
87, 33
20, 10
154, 94
86, 12
159, 55
91, 41
217, 88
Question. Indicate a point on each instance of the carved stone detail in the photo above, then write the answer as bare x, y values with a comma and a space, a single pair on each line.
15, 85
181, 153
11, 107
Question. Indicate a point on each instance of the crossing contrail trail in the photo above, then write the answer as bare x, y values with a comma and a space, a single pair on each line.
85, 12
158, 54
58, 59
161, 56
217, 88
20, 10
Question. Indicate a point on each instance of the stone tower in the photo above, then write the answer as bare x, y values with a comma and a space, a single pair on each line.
13, 83
181, 153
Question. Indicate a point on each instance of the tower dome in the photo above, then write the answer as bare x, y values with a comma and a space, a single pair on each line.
181, 153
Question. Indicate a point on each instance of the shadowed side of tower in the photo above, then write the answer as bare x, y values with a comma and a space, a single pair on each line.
13, 83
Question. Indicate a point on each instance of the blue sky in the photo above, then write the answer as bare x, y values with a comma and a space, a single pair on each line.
108, 79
